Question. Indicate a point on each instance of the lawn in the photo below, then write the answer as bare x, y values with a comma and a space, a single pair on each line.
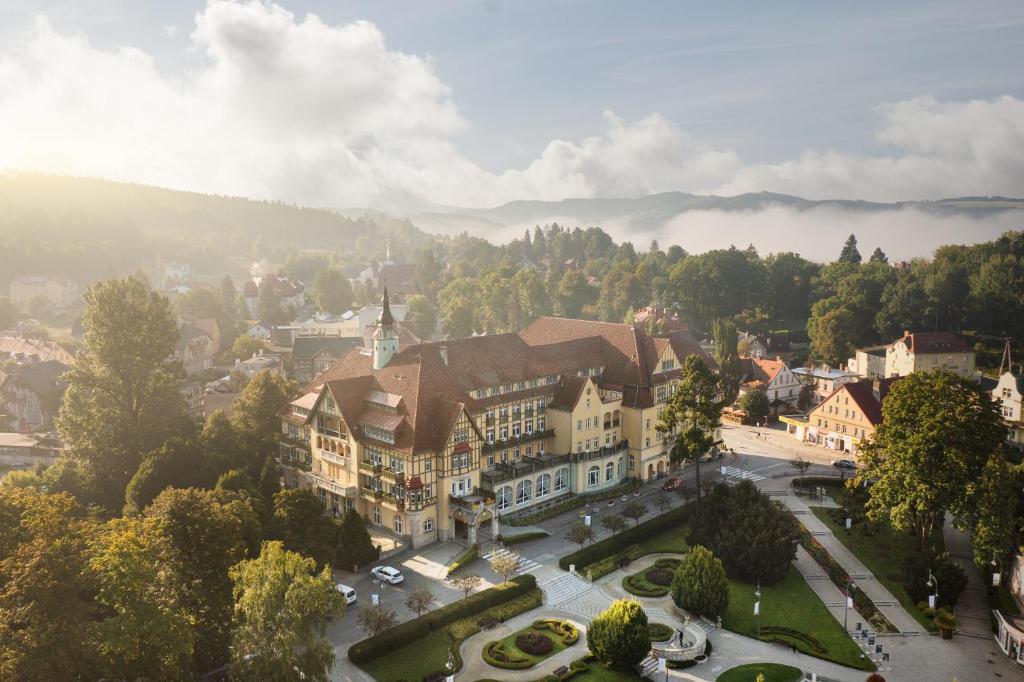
507, 645
773, 672
412, 661
791, 603
883, 554
671, 541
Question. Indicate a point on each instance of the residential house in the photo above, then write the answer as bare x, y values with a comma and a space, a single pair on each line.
752, 345
662, 319
925, 351
849, 416
259, 362
25, 349
30, 394
60, 293
436, 440
868, 363
23, 450
774, 376
289, 290
313, 354
826, 379
1008, 393
258, 329
198, 345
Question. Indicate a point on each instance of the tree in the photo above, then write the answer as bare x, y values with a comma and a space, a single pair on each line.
580, 533
122, 399
245, 347
505, 565
207, 532
801, 465
419, 600
724, 333
302, 526
376, 618
176, 464
634, 510
756, 404
718, 283
850, 254
256, 419
757, 539
938, 431
614, 523
995, 520
280, 622
832, 329
878, 256
354, 541
268, 305
662, 502
423, 313
465, 583
574, 293
618, 636
147, 629
695, 405
332, 291
700, 585
48, 589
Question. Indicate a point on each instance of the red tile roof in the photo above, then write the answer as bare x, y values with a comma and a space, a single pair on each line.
923, 343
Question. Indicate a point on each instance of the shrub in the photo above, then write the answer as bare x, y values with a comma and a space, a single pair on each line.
618, 543
756, 538
619, 635
659, 576
669, 563
372, 648
638, 585
522, 537
700, 585
534, 643
467, 557
810, 640
568, 632
494, 654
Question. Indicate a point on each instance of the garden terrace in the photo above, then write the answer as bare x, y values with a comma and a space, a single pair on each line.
531, 645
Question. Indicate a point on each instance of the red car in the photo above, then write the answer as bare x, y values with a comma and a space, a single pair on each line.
672, 484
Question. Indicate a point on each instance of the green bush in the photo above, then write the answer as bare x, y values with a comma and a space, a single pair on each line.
809, 640
619, 542
495, 654
568, 632
618, 635
467, 557
522, 537
639, 585
700, 585
390, 640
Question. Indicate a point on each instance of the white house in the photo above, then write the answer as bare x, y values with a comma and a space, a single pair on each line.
774, 376
925, 351
1008, 393
258, 330
826, 379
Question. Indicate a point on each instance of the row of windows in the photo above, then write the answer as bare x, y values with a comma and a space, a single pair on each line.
525, 490
515, 386
516, 454
842, 427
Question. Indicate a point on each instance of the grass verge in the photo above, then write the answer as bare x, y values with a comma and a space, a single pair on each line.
791, 603
883, 553
773, 672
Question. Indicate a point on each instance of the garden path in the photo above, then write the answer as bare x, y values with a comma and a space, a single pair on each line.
973, 616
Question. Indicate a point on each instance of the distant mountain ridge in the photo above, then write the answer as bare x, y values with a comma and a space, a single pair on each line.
649, 212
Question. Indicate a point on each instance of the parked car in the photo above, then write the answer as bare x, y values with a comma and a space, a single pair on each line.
388, 574
847, 464
673, 484
347, 593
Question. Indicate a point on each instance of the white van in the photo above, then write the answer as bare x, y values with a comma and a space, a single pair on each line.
347, 592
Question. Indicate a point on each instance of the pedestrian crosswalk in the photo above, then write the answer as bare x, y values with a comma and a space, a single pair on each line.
525, 565
736, 472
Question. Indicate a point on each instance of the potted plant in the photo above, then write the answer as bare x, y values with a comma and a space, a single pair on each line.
945, 621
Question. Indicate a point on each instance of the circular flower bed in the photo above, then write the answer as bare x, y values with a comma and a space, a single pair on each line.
659, 576
534, 643
659, 632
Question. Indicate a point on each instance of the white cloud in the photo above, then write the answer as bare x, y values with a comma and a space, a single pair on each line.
292, 108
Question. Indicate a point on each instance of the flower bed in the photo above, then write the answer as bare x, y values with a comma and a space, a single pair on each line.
659, 576
534, 643
660, 632
529, 646
841, 579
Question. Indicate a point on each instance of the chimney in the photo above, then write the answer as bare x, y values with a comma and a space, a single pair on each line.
443, 350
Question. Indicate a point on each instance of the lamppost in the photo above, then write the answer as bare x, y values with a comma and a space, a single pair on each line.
933, 583
757, 607
846, 604
997, 573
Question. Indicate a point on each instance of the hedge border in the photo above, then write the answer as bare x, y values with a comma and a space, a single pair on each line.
522, 537
621, 541
372, 648
467, 557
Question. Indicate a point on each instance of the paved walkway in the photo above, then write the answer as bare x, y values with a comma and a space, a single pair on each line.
973, 616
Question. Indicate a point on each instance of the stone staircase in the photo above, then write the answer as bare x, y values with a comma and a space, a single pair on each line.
564, 588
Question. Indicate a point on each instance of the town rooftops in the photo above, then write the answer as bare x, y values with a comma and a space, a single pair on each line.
922, 343
305, 347
761, 369
822, 372
869, 396
22, 348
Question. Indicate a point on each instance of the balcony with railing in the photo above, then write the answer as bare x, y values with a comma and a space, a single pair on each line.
295, 463
605, 451
508, 471
389, 474
522, 439
333, 457
418, 503
370, 468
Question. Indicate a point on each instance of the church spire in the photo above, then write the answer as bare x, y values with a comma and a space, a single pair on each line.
385, 341
386, 319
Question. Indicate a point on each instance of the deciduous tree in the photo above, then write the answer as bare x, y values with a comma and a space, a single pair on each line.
376, 618
419, 600
466, 583
505, 565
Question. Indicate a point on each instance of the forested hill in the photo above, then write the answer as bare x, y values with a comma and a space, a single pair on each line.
89, 228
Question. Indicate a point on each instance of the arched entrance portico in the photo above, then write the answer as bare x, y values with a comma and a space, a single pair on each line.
650, 472
661, 468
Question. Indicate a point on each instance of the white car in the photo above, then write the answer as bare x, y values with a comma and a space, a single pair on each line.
847, 464
347, 593
391, 576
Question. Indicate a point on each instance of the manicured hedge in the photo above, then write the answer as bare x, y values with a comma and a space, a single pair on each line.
372, 648
809, 640
467, 557
522, 537
660, 632
621, 541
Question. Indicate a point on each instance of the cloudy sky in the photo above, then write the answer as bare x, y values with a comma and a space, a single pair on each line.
401, 104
